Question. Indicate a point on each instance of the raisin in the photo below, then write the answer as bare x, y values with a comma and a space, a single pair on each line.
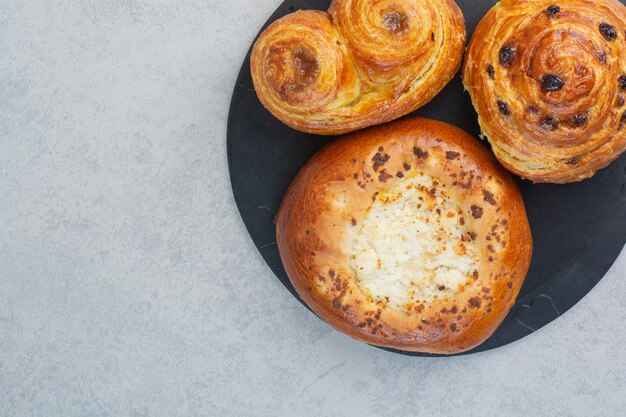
379, 160
503, 107
553, 10
573, 161
477, 212
622, 82
549, 123
533, 109
608, 31
578, 120
384, 177
475, 302
490, 70
507, 55
420, 153
552, 82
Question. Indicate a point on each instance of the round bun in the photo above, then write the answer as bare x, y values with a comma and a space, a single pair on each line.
408, 235
363, 63
548, 80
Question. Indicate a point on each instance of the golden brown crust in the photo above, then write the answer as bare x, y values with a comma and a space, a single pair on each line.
545, 79
333, 193
363, 63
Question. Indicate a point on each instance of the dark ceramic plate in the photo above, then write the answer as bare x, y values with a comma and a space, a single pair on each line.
578, 229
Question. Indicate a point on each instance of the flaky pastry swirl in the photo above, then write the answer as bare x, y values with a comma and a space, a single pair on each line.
548, 80
363, 63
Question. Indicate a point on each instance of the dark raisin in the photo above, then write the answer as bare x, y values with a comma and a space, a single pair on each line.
490, 71
379, 160
420, 153
452, 155
608, 31
623, 119
507, 55
551, 82
622, 82
503, 107
578, 120
489, 198
384, 177
477, 212
533, 109
601, 57
573, 161
553, 10
475, 302
549, 123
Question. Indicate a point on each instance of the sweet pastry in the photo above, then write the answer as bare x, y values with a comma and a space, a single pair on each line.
363, 63
408, 235
548, 80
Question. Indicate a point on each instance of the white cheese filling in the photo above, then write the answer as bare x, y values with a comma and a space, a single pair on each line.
413, 245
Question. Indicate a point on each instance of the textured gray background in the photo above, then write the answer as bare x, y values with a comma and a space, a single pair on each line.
128, 284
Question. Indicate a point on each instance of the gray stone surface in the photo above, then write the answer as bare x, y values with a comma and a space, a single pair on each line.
128, 284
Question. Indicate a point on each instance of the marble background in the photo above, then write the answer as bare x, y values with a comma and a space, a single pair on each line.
128, 284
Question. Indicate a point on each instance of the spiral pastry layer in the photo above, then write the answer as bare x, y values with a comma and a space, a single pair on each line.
363, 63
548, 80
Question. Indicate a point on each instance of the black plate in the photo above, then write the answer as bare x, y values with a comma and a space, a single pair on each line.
578, 229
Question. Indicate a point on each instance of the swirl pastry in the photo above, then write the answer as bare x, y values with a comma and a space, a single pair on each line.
408, 235
548, 80
363, 63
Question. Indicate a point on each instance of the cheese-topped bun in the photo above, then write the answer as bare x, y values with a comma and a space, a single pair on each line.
409, 236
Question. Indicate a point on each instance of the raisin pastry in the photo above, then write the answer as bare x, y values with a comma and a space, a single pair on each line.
363, 63
548, 80
408, 235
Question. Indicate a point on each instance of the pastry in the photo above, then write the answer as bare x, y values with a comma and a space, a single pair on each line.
363, 63
548, 80
408, 236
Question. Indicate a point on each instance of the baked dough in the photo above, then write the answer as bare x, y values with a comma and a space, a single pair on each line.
548, 80
408, 235
363, 63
